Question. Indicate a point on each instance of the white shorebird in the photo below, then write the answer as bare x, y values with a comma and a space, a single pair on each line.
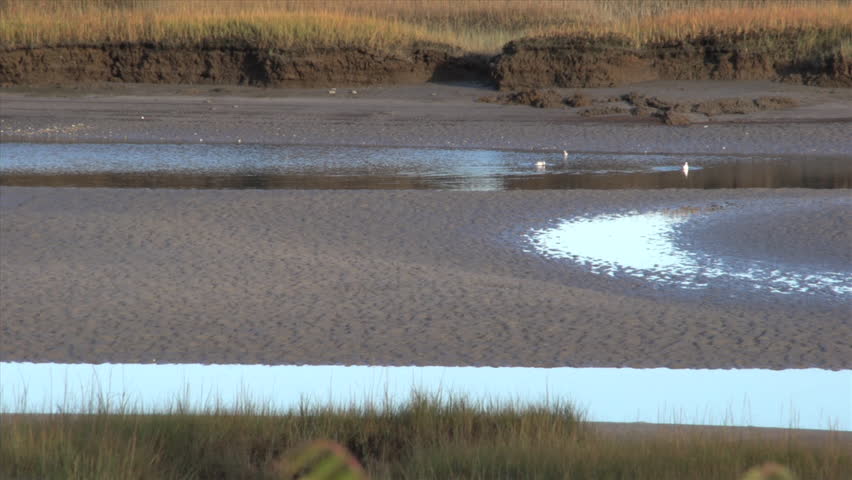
540, 165
564, 155
685, 169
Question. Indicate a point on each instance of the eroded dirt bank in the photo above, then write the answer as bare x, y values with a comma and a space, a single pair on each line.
575, 61
234, 66
556, 61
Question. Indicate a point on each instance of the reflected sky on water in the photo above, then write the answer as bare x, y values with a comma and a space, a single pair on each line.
642, 245
317, 167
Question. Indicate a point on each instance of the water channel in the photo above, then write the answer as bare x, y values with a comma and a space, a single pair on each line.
314, 167
638, 244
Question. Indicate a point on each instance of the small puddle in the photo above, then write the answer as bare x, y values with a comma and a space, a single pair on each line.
305, 167
642, 245
810, 398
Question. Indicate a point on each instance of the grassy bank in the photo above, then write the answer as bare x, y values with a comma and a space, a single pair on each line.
424, 438
474, 26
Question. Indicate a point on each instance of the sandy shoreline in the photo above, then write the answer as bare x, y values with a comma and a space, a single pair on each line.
401, 278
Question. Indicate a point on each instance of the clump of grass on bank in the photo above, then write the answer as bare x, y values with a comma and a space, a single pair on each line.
427, 437
473, 25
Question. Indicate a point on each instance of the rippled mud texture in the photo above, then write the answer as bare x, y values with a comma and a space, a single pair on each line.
754, 234
642, 245
380, 278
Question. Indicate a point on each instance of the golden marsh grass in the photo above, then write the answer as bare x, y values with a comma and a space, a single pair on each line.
425, 437
473, 25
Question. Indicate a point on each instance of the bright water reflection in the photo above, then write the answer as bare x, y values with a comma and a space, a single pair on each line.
808, 398
643, 246
318, 167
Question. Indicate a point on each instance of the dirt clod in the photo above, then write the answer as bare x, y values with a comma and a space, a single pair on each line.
644, 106
578, 100
643, 111
675, 118
725, 106
532, 97
600, 110
742, 106
775, 103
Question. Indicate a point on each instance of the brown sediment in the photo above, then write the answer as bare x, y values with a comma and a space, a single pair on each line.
675, 118
612, 60
669, 111
426, 115
578, 100
235, 66
605, 109
532, 97
538, 62
678, 112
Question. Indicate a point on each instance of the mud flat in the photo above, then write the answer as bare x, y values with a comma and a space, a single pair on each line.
405, 277
429, 115
386, 278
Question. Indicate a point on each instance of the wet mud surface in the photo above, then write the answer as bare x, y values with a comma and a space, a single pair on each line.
410, 277
387, 278
427, 116
753, 232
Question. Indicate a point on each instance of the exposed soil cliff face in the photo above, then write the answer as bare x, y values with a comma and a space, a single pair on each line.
249, 66
541, 62
569, 62
576, 61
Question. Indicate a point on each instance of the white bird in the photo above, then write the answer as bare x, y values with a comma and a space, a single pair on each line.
685, 169
540, 165
565, 155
